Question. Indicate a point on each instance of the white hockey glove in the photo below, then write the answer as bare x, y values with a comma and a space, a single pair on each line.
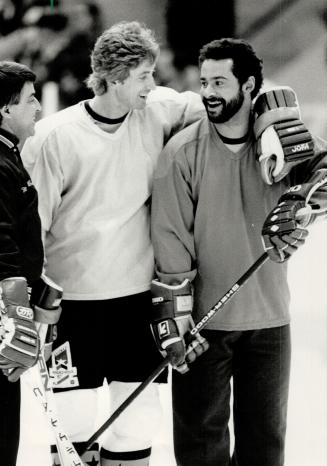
171, 322
19, 340
283, 139
46, 298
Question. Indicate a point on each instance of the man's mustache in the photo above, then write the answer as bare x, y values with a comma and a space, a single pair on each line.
213, 101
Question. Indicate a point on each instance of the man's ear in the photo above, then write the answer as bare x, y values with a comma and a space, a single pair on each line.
5, 111
116, 82
249, 85
111, 84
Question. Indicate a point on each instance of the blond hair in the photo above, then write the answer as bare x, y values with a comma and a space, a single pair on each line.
120, 48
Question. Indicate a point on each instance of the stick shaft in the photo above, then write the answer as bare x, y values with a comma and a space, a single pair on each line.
38, 379
164, 363
200, 325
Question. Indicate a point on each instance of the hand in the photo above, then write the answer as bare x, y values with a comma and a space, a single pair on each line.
172, 322
282, 232
282, 248
197, 345
19, 349
176, 353
19, 346
185, 350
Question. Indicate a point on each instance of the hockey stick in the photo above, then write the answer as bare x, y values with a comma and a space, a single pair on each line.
46, 297
39, 380
164, 363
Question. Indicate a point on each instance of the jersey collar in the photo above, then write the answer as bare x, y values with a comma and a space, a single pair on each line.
9, 139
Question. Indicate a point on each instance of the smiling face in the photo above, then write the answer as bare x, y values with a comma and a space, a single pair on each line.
132, 93
221, 92
22, 115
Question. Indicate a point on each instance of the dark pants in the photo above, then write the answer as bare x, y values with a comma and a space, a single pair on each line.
259, 363
9, 420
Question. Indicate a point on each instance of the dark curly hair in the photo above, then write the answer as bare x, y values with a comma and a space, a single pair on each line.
245, 61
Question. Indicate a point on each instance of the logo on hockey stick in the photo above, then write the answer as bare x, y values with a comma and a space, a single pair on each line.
62, 372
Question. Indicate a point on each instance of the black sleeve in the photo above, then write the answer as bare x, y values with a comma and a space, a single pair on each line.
10, 255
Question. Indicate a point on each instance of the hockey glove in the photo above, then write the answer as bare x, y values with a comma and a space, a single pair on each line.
283, 230
46, 298
283, 140
171, 320
19, 341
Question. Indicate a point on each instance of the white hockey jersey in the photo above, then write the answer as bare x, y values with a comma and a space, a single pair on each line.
94, 192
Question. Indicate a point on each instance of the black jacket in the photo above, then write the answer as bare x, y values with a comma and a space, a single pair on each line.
21, 250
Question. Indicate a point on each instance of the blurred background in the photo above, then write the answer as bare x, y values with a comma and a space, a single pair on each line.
55, 37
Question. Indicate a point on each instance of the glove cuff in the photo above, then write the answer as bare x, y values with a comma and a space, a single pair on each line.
46, 294
170, 302
45, 299
47, 316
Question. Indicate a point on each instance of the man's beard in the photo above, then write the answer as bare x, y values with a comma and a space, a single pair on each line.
227, 109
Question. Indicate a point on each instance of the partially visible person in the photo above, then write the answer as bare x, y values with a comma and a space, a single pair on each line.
11, 13
60, 52
71, 67
56, 45
21, 250
219, 200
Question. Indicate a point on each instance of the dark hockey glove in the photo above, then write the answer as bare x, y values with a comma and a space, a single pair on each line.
46, 298
171, 320
283, 139
19, 340
284, 230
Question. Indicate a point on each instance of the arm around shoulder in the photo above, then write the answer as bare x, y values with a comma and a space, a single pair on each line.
180, 109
